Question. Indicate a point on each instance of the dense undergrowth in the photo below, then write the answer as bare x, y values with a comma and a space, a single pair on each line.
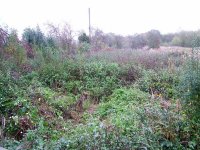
103, 100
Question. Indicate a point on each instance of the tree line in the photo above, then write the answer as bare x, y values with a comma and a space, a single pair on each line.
63, 37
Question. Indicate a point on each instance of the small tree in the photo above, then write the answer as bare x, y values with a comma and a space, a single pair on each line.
176, 41
98, 39
185, 39
34, 37
15, 49
109, 39
83, 38
153, 39
137, 41
3, 37
114, 41
196, 41
119, 42
63, 36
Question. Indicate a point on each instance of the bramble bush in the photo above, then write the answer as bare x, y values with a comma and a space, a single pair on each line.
190, 88
39, 96
161, 82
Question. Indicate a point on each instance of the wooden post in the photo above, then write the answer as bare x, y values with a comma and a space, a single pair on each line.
89, 25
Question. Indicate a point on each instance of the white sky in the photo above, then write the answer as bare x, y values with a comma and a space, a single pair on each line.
117, 16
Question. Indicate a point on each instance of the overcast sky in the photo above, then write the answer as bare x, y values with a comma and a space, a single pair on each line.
117, 16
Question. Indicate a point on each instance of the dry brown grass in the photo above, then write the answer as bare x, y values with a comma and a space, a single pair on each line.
160, 58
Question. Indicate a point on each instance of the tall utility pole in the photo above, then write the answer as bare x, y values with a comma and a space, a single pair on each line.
89, 24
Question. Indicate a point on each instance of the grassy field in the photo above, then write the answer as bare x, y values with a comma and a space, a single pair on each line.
110, 99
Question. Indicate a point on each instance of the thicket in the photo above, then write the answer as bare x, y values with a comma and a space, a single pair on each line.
53, 97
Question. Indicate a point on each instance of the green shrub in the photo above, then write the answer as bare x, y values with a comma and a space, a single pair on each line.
38, 94
129, 74
8, 90
128, 120
161, 82
100, 78
52, 75
176, 41
121, 98
14, 49
190, 94
74, 86
84, 47
15, 105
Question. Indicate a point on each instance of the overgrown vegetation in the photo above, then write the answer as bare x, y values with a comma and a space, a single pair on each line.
56, 94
